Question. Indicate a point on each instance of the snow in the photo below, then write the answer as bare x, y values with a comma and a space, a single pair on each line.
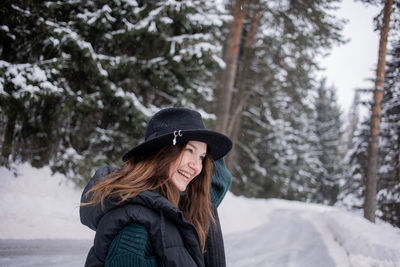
42, 211
37, 205
276, 230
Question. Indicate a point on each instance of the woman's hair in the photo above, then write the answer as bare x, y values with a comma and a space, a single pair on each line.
153, 174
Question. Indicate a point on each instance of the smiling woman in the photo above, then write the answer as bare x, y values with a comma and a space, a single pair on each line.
159, 209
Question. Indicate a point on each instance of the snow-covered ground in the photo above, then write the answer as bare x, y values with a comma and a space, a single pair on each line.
39, 226
288, 233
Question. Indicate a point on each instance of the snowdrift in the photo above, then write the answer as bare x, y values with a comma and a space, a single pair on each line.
36, 205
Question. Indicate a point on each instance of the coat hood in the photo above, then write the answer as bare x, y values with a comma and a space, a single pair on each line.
91, 215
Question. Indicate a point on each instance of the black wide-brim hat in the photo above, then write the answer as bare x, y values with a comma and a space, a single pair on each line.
177, 125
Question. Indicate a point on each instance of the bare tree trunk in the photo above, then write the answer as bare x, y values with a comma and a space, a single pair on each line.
370, 194
243, 95
225, 90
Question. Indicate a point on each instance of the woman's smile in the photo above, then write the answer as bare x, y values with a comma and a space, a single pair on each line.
185, 174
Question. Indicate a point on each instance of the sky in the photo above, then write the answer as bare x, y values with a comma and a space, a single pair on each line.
40, 226
350, 65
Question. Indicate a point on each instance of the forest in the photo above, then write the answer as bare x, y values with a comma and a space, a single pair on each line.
80, 79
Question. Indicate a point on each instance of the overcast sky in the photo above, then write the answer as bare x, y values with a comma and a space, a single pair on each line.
350, 65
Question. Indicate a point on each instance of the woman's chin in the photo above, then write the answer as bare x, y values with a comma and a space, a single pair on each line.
182, 188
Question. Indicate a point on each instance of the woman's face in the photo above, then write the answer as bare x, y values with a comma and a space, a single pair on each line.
188, 165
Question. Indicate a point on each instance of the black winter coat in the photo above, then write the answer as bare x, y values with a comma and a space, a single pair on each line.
174, 239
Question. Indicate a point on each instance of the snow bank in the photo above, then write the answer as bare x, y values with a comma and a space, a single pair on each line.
366, 243
37, 205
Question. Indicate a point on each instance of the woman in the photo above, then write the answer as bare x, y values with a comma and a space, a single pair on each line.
159, 209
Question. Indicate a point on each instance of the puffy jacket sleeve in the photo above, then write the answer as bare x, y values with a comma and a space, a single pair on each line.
131, 247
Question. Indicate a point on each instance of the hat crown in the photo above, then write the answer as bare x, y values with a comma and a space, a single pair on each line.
172, 119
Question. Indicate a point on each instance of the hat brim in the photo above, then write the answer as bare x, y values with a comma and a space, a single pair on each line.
218, 144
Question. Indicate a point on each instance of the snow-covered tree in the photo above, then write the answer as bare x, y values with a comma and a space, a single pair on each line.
388, 193
331, 149
388, 185
78, 79
276, 147
352, 192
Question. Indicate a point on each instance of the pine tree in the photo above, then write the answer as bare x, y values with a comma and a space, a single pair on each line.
276, 151
79, 79
388, 187
329, 134
373, 150
352, 192
388, 192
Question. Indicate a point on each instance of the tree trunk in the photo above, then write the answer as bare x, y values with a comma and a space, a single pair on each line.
234, 124
370, 194
225, 91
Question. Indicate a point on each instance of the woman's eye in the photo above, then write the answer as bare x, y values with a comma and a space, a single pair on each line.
202, 158
189, 150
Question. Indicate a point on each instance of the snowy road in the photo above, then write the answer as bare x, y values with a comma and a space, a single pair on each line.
278, 243
43, 253
303, 247
274, 243
261, 246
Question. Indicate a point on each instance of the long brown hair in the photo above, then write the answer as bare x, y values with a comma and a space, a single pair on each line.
153, 174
